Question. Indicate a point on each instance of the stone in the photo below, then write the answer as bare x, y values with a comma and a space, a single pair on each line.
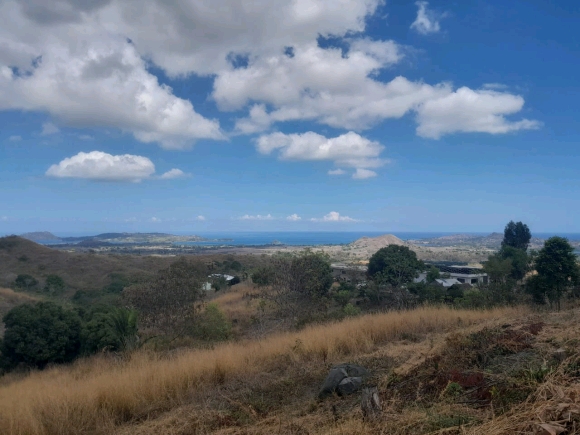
349, 386
334, 378
343, 379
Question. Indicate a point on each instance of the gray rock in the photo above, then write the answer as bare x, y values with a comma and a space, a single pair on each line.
354, 370
332, 381
348, 386
350, 376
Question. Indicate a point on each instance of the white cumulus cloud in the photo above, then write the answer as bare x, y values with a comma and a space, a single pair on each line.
293, 217
174, 173
336, 172
466, 110
155, 220
349, 149
427, 21
73, 61
100, 166
200, 218
258, 217
334, 216
362, 173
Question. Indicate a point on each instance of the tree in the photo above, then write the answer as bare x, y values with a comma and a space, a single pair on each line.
113, 329
432, 275
394, 265
25, 282
519, 260
516, 235
39, 334
168, 303
299, 282
54, 284
557, 268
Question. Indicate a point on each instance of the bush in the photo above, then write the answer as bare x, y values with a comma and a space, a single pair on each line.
212, 325
113, 329
39, 334
54, 284
25, 282
350, 310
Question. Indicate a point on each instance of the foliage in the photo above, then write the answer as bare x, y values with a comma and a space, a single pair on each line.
168, 302
54, 284
300, 282
25, 282
428, 292
520, 261
118, 283
557, 271
39, 334
212, 325
113, 329
263, 276
350, 310
432, 274
394, 265
498, 268
342, 297
517, 235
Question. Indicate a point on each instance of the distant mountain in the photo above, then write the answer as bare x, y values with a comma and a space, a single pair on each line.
40, 236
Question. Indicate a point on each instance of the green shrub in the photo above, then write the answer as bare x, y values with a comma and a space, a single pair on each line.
351, 310
39, 334
212, 325
25, 282
54, 284
113, 329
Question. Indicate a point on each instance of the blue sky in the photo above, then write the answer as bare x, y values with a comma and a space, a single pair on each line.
324, 115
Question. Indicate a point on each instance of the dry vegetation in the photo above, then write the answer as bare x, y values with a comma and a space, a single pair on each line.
146, 393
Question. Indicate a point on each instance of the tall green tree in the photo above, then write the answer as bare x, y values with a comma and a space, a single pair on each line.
557, 269
517, 235
394, 265
39, 334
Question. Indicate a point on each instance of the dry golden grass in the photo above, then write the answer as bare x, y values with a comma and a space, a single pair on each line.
98, 395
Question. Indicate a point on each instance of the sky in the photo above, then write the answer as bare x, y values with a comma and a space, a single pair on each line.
305, 115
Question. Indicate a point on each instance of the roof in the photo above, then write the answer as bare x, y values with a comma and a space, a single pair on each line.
221, 275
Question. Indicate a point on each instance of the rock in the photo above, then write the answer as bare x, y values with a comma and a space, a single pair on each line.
334, 378
343, 379
348, 386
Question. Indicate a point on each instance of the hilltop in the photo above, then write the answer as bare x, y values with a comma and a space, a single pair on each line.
40, 236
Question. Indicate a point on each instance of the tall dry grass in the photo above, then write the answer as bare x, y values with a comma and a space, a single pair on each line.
95, 395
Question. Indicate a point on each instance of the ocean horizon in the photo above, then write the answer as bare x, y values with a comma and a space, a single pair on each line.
310, 238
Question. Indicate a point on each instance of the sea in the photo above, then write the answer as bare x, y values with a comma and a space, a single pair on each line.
313, 238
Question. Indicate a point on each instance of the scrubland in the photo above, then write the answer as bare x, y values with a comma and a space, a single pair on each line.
151, 393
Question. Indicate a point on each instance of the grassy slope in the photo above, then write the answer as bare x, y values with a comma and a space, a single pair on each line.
82, 271
247, 387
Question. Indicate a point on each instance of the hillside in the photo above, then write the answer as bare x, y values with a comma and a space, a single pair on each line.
40, 236
437, 370
79, 271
